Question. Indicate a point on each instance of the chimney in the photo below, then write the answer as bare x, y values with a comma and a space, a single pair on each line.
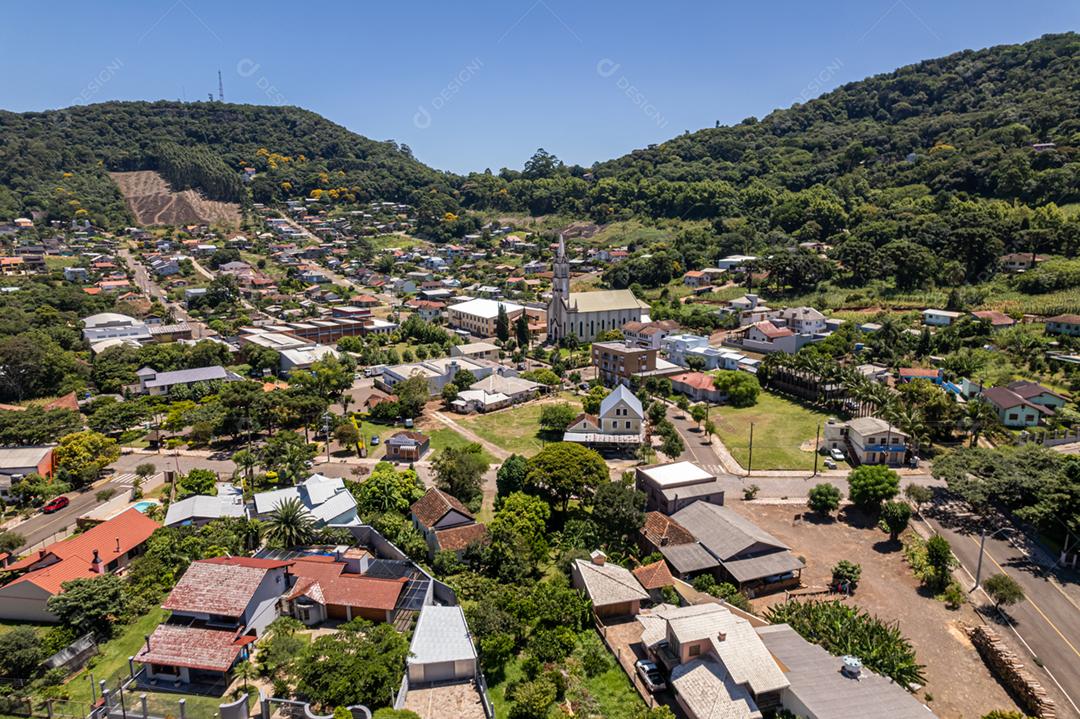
95, 565
118, 545
721, 636
146, 637
598, 558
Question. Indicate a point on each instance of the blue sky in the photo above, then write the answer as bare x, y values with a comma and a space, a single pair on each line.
471, 84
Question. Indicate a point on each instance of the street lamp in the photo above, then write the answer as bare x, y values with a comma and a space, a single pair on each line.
982, 544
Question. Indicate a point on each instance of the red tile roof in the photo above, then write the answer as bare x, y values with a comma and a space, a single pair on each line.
112, 538
995, 318
222, 586
661, 530
697, 380
772, 331
456, 539
327, 583
434, 505
655, 575
919, 372
193, 647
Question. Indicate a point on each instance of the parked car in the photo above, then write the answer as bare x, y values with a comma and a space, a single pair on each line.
408, 424
650, 675
829, 464
837, 454
374, 440
55, 504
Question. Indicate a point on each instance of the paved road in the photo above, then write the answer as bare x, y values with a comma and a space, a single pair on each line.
1048, 620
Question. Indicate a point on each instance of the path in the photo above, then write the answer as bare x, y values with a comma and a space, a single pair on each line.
495, 450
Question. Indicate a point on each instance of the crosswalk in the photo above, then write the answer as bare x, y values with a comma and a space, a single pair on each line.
124, 479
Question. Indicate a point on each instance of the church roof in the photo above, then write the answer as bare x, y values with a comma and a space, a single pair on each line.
605, 301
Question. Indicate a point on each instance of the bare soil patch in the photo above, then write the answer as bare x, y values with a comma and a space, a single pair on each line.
957, 678
153, 202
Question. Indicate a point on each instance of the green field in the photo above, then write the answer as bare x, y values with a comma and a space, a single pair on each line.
516, 429
780, 428
446, 437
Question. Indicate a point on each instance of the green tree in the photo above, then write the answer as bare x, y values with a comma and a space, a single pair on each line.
895, 517
871, 484
521, 331
81, 456
556, 417
361, 663
21, 653
1003, 590
386, 490
518, 536
618, 511
502, 324
289, 525
511, 475
591, 402
741, 388
564, 470
10, 540
939, 556
460, 470
90, 605
918, 494
288, 454
197, 481
412, 394
823, 498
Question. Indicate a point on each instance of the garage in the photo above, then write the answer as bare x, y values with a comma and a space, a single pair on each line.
441, 649
337, 611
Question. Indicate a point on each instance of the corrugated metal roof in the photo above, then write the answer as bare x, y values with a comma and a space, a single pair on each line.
441, 635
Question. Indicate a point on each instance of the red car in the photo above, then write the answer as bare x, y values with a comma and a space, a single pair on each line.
55, 505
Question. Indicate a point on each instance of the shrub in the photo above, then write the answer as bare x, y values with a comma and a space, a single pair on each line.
895, 517
870, 485
750, 492
823, 498
1003, 589
953, 596
595, 658
846, 574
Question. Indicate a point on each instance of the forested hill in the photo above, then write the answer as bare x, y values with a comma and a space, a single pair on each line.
967, 122
58, 161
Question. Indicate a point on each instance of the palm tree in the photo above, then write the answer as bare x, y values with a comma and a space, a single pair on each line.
245, 460
979, 415
290, 524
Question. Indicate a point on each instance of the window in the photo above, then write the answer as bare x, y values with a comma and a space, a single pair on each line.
628, 424
695, 650
1013, 416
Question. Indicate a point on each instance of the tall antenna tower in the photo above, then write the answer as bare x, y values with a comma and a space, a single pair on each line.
220, 88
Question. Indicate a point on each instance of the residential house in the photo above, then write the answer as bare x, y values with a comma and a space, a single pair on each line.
649, 335
1013, 409
940, 318
803, 320
445, 522
621, 422
765, 337
479, 316
654, 578
476, 350
997, 320
101, 549
407, 446
749, 309
344, 585
670, 487
620, 362
749, 557
1063, 325
660, 533
696, 278
867, 440
493, 392
202, 509
613, 590
681, 348
1037, 394
438, 372
112, 325
698, 386
718, 665
325, 498
17, 462
930, 374
76, 274
1020, 261
235, 593
732, 262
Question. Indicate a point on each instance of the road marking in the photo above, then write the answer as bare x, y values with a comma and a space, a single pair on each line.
1031, 602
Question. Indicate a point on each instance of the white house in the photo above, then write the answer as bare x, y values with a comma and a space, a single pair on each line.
940, 318
621, 422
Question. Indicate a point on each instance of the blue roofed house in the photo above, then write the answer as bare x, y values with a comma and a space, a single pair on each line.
325, 498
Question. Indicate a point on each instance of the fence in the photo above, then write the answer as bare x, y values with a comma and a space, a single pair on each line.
1050, 438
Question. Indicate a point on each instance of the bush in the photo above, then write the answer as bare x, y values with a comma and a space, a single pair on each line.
953, 596
595, 658
871, 484
824, 499
846, 574
1003, 590
895, 517
750, 492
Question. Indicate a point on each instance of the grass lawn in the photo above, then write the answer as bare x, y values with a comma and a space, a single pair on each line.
516, 429
54, 262
111, 663
780, 428
446, 437
615, 697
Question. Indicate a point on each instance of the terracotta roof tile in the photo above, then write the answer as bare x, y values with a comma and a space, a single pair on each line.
655, 575
434, 505
458, 538
193, 647
662, 530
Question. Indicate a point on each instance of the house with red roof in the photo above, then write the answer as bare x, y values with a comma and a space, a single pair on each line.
104, 548
333, 588
445, 522
930, 374
698, 386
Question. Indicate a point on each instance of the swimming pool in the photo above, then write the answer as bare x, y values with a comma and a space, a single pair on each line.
143, 506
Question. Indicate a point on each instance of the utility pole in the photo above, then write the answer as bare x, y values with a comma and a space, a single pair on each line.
817, 452
326, 429
982, 543
750, 458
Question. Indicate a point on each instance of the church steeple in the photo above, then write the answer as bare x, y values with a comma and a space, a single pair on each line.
560, 281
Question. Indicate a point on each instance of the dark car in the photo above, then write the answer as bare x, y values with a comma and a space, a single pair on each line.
55, 505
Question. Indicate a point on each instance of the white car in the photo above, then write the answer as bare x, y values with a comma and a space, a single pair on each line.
836, 454
650, 675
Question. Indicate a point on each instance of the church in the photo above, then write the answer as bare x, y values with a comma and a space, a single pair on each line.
585, 315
